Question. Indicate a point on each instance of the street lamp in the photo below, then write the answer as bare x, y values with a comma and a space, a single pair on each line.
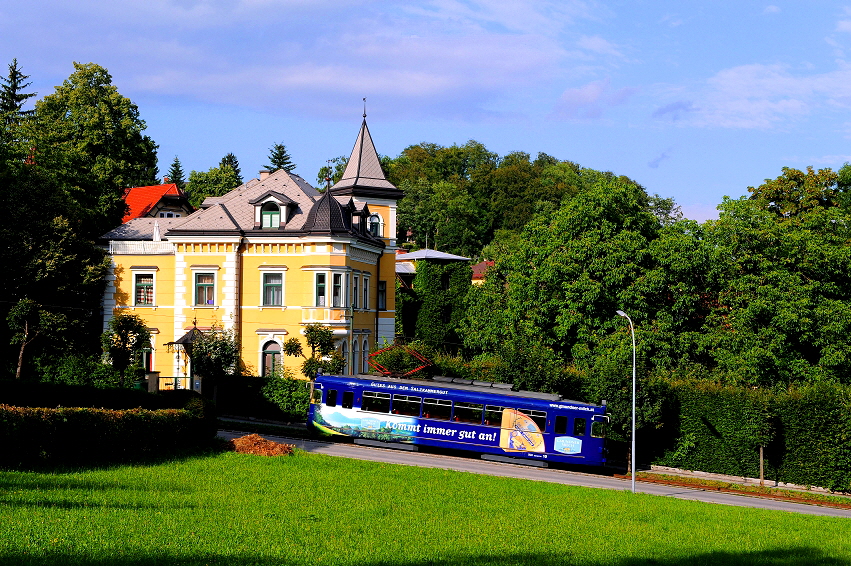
632, 450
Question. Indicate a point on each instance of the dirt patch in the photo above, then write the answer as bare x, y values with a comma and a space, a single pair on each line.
256, 444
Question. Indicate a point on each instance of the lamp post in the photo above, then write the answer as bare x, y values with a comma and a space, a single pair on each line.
632, 450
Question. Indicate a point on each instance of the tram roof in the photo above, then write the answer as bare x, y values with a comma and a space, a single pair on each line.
466, 385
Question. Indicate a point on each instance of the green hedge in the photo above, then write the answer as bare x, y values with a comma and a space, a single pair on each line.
23, 393
806, 432
38, 427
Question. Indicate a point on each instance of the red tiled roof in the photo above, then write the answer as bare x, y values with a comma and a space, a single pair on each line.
140, 200
480, 268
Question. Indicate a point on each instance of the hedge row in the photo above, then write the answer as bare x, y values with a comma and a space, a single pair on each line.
83, 436
22, 393
805, 432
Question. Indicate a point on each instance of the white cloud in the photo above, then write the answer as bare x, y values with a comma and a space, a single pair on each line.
599, 45
589, 101
843, 25
771, 10
758, 97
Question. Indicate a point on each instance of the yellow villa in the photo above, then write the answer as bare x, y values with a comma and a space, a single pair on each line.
264, 260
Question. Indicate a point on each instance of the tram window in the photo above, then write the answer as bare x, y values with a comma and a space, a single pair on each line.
317, 397
579, 426
331, 398
440, 409
348, 398
493, 415
468, 412
375, 402
406, 405
598, 429
561, 424
540, 417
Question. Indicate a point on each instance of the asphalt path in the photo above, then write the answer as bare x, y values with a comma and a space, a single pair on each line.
477, 466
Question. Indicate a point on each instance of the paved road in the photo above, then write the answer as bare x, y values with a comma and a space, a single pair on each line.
476, 466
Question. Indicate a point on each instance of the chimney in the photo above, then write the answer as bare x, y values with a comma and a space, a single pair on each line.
264, 173
165, 180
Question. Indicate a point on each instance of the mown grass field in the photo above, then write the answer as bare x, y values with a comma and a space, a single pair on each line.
310, 509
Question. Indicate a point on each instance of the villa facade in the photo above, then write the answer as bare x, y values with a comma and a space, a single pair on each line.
265, 260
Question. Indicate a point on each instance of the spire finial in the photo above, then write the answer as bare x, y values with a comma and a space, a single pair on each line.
364, 107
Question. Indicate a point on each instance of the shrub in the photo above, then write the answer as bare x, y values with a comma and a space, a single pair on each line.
291, 395
82, 370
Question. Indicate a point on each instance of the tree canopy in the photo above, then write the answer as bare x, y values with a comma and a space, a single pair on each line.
175, 174
12, 97
280, 159
92, 137
213, 183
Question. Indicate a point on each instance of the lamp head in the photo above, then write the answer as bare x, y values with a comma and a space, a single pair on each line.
621, 313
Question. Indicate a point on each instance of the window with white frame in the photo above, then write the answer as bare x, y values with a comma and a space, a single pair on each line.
270, 215
321, 299
365, 301
205, 289
355, 289
337, 290
143, 289
271, 358
382, 295
376, 225
273, 289
355, 357
332, 286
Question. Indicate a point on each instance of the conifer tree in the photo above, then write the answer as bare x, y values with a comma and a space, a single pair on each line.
280, 159
176, 175
231, 160
11, 97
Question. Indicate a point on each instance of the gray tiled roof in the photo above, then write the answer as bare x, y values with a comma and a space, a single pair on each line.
235, 211
142, 228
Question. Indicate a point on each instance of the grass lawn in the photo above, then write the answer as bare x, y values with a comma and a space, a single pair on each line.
312, 509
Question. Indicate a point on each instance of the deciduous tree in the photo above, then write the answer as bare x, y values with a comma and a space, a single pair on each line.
92, 137
213, 183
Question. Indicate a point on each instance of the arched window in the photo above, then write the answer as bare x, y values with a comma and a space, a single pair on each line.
344, 351
271, 215
375, 225
365, 352
271, 357
355, 357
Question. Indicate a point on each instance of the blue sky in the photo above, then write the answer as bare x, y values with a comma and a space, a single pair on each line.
694, 100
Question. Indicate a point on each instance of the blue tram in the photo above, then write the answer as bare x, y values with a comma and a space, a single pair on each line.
460, 414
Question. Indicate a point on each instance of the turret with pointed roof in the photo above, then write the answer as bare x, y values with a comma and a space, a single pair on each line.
363, 176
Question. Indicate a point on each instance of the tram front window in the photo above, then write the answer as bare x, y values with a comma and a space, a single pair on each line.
598, 429
376, 402
406, 405
468, 412
440, 409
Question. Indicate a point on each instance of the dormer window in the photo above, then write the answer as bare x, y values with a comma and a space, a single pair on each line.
375, 225
271, 210
271, 215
